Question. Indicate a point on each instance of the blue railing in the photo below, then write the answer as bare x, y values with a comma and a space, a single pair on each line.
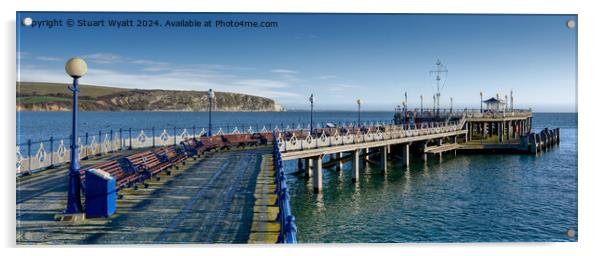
288, 229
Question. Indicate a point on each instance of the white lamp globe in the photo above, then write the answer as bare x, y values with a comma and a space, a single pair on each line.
76, 67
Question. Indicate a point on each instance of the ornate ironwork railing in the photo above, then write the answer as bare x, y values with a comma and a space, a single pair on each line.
477, 113
292, 141
37, 155
288, 228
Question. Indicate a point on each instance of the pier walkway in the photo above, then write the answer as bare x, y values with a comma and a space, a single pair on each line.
209, 200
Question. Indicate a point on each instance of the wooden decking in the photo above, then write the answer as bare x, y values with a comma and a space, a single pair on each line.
209, 200
442, 148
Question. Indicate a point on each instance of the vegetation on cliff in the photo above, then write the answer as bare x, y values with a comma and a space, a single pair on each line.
57, 97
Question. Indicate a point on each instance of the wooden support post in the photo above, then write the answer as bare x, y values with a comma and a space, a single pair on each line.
455, 142
500, 132
366, 157
318, 174
533, 143
308, 167
507, 126
340, 162
300, 164
383, 159
355, 172
424, 154
406, 154
440, 153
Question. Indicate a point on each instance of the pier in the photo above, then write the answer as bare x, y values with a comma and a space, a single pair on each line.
493, 130
197, 193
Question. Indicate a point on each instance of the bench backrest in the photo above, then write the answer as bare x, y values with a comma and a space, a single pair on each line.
111, 167
146, 159
169, 151
237, 138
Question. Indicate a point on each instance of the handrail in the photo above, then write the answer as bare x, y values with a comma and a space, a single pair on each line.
300, 140
288, 228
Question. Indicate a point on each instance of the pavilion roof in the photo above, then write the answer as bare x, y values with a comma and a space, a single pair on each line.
492, 100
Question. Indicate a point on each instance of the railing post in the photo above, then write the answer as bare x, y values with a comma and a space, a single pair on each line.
120, 139
153, 133
29, 156
111, 140
194, 131
175, 136
99, 142
86, 147
130, 137
51, 151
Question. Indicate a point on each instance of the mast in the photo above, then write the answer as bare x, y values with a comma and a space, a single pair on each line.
439, 71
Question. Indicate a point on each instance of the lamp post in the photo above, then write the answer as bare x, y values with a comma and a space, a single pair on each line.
481, 102
451, 105
511, 100
76, 68
211, 96
311, 114
359, 111
420, 105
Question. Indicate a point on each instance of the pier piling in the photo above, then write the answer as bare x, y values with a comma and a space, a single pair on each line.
406, 154
383, 159
317, 177
355, 172
308, 167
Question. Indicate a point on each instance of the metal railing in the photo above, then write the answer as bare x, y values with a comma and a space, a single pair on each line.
476, 113
288, 228
38, 155
342, 136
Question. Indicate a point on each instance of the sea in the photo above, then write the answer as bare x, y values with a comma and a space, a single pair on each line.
464, 198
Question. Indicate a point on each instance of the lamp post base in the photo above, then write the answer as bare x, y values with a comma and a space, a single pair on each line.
70, 217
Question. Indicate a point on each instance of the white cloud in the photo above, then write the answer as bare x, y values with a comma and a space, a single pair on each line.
284, 71
326, 77
342, 87
23, 55
104, 58
46, 58
186, 77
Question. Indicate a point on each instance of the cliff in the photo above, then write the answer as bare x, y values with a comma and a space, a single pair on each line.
56, 97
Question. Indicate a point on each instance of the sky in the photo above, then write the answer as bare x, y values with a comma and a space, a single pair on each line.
338, 57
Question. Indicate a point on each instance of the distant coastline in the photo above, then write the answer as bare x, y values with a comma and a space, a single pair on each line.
34, 96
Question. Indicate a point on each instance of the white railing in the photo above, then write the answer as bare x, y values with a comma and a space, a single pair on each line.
39, 155
302, 141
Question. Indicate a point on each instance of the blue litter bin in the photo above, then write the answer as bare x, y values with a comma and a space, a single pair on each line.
101, 194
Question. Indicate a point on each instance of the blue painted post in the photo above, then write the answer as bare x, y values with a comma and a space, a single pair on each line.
120, 139
175, 136
211, 96
111, 138
130, 131
99, 143
86, 143
29, 156
73, 197
311, 114
51, 151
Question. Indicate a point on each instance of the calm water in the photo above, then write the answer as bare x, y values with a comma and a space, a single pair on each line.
469, 198
472, 198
